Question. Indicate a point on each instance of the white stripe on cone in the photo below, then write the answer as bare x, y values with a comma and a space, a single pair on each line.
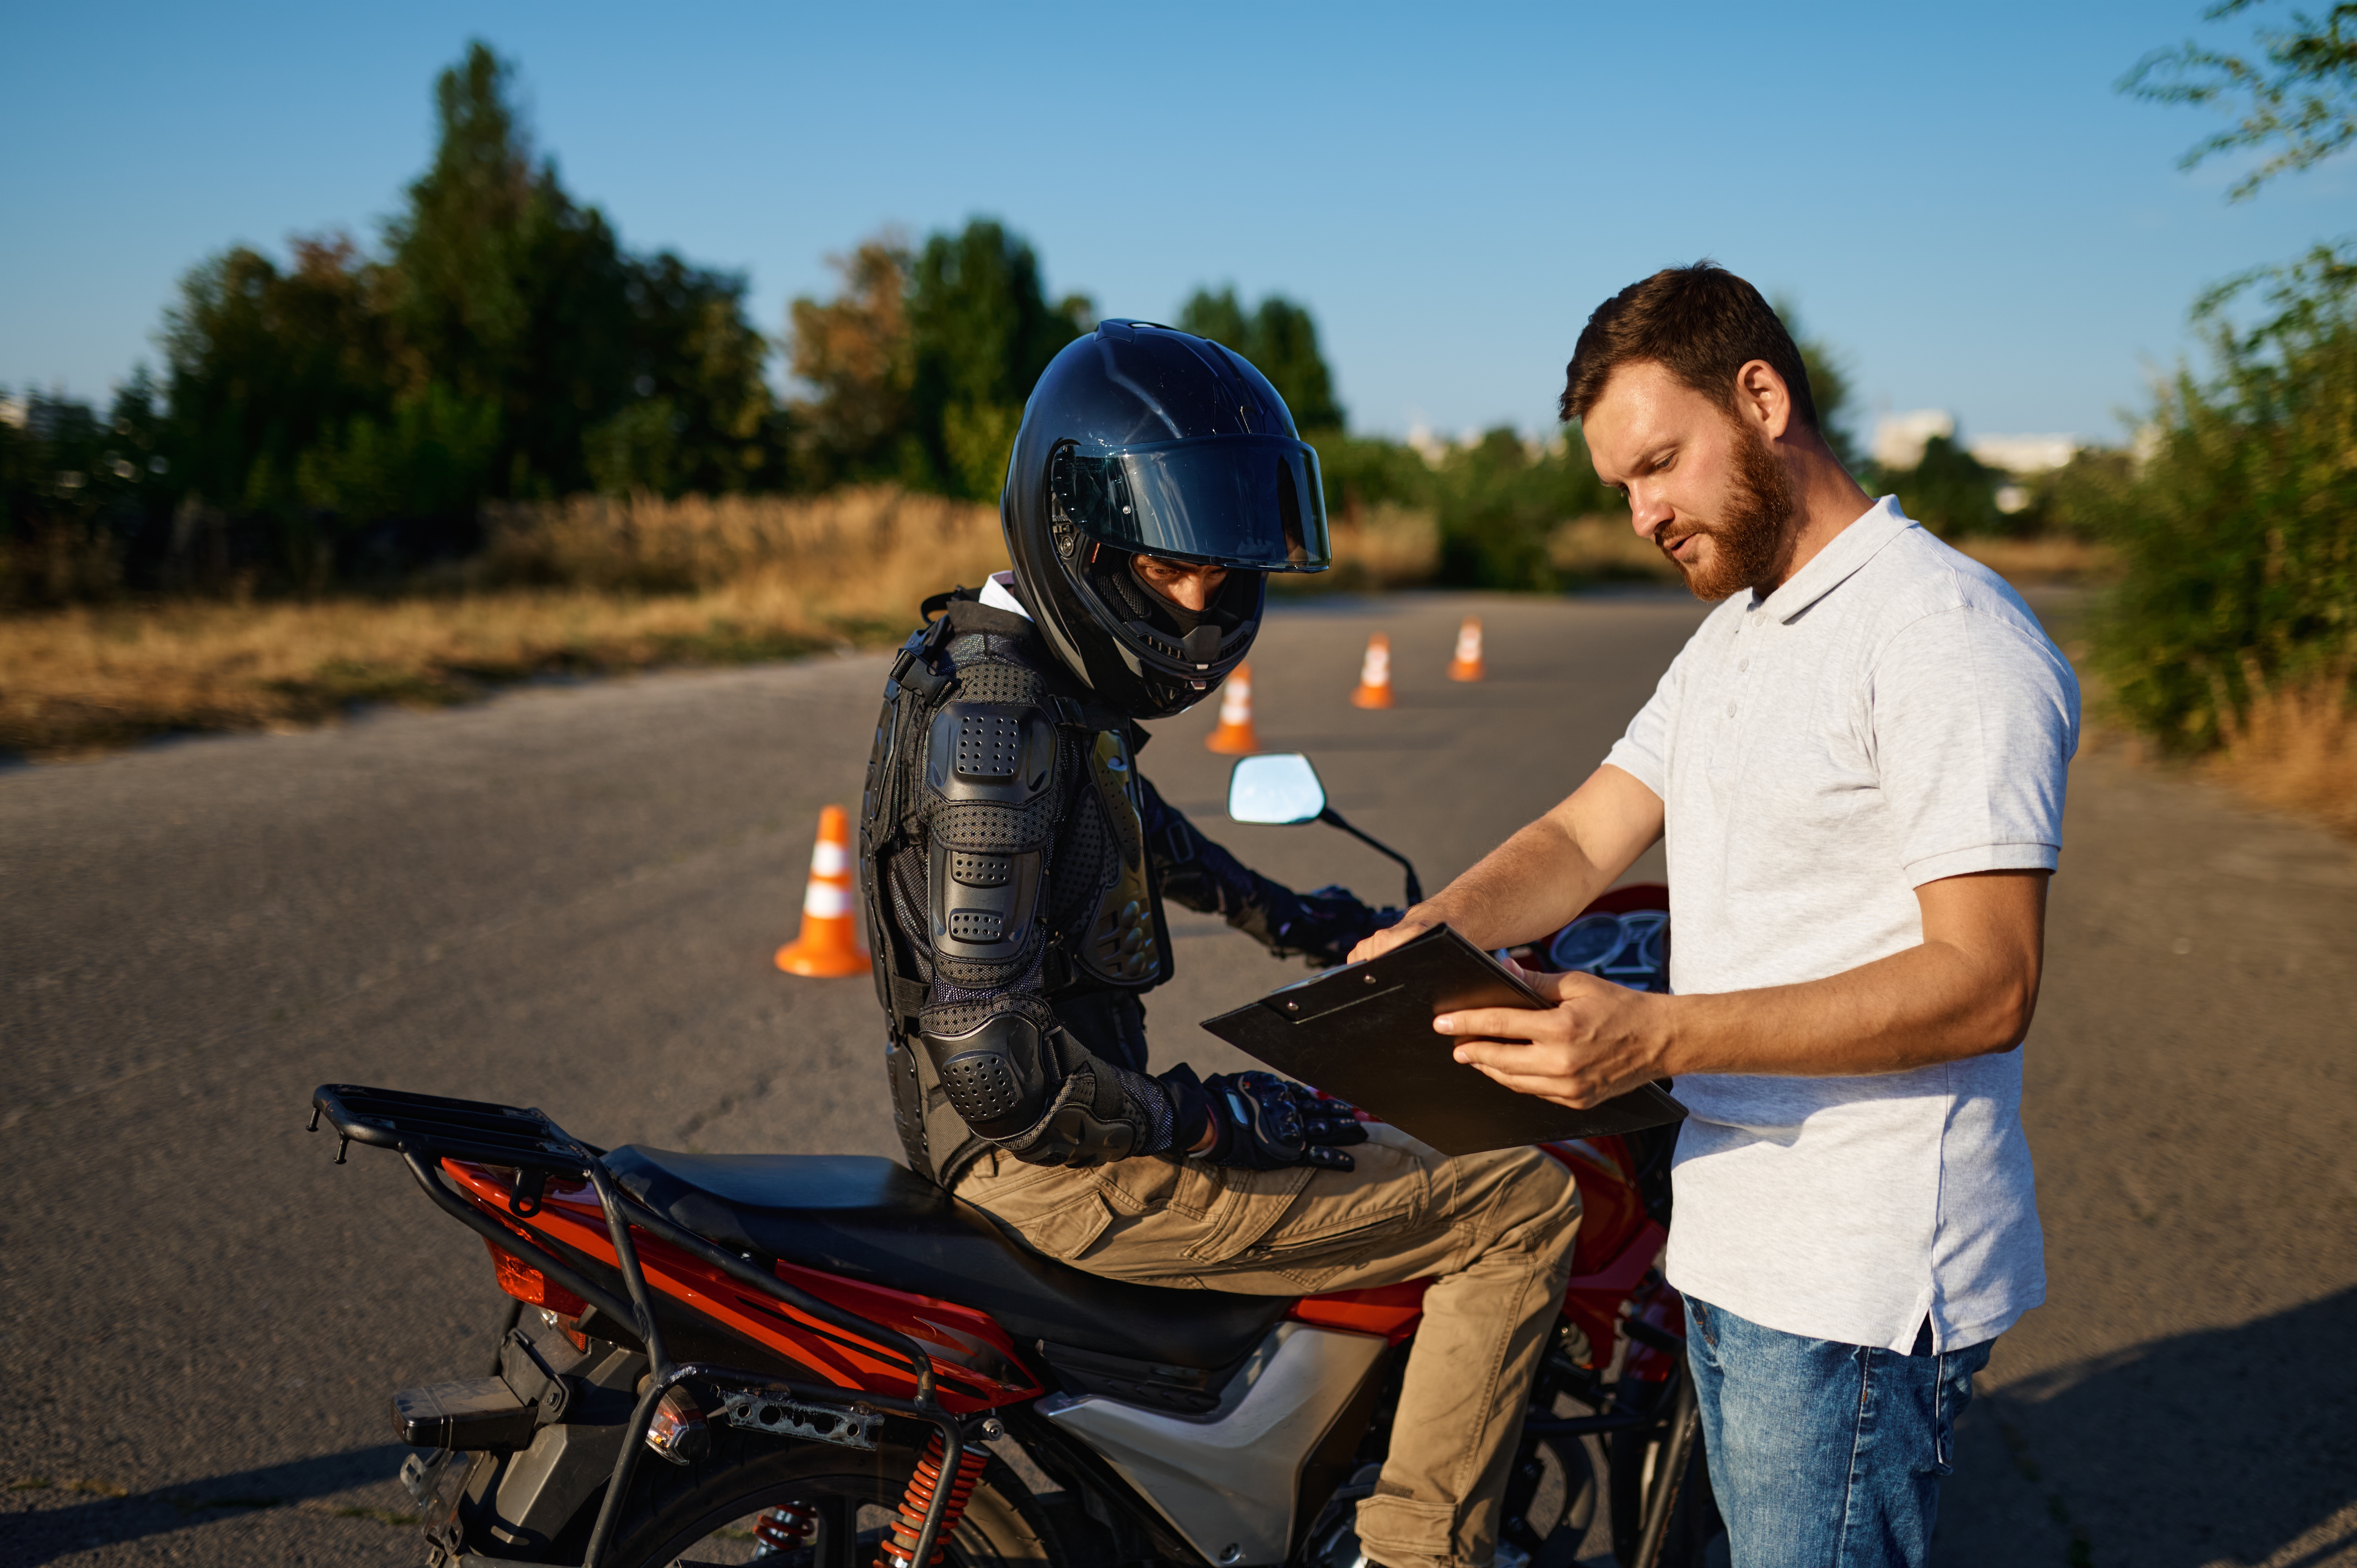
1236, 702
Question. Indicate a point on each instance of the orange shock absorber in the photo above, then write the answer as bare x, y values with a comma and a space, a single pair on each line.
900, 1545
783, 1528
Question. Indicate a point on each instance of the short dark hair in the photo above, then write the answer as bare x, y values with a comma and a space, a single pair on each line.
1700, 323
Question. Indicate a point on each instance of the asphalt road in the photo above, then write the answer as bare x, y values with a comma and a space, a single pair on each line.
567, 895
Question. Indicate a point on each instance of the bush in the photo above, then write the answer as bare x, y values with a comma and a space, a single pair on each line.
2237, 529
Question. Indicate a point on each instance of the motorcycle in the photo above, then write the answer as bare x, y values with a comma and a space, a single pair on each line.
826, 1361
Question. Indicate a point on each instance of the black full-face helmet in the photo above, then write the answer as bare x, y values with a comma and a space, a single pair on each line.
1142, 441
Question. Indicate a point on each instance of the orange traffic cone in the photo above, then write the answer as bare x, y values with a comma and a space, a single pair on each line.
1375, 675
829, 943
1235, 737
1468, 665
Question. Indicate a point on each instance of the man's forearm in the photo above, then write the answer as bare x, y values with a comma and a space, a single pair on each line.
1969, 988
1522, 890
1544, 874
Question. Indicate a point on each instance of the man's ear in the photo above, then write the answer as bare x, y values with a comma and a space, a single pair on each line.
1763, 400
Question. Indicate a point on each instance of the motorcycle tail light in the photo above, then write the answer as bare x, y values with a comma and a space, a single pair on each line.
532, 1287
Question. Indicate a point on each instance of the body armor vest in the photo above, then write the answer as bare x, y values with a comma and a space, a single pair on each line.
1003, 840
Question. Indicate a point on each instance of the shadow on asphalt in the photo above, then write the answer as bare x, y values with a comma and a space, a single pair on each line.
2230, 1446
43, 1535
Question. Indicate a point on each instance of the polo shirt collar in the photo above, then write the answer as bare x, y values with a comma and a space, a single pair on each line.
1847, 551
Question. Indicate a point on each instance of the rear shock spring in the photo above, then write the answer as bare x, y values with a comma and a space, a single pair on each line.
783, 1528
900, 1545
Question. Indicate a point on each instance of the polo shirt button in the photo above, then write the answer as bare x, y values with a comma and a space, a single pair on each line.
1744, 665
1730, 709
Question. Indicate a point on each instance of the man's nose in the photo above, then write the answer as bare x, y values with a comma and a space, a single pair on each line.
1647, 513
1190, 591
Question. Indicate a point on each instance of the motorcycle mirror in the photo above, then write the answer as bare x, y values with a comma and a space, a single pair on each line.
1277, 789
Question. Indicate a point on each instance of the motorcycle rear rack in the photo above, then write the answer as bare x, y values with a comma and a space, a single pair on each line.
427, 1129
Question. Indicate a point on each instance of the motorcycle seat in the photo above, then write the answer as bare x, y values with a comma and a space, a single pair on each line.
877, 1221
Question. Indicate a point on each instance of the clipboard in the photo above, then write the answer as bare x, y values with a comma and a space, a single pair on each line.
1363, 1033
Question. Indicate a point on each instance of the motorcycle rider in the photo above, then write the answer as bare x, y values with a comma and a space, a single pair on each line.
1016, 865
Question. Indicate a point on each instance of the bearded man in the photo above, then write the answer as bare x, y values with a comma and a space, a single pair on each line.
1857, 765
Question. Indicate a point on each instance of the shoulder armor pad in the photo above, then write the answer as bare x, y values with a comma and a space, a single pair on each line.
991, 770
1001, 753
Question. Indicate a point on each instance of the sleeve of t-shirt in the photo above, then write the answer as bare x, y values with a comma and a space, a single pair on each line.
1643, 752
1974, 723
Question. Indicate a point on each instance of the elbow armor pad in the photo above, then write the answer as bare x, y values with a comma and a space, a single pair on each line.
994, 1074
997, 1078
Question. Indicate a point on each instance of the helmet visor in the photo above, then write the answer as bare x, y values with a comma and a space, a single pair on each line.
1249, 501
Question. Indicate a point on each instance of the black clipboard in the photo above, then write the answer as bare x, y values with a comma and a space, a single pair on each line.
1363, 1033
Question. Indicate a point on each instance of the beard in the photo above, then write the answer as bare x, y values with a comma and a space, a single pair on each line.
1748, 542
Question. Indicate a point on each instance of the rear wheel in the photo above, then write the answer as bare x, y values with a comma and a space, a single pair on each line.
687, 1516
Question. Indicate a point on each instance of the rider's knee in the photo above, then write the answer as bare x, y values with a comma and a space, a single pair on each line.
1535, 1198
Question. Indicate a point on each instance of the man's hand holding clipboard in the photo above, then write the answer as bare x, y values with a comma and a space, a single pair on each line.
1594, 1042
1369, 1032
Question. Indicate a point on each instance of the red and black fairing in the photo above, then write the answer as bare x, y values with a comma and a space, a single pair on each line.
978, 1366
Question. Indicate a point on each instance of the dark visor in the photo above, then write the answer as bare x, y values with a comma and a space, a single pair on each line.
1250, 501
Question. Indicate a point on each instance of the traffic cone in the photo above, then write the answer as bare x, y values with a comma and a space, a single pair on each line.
1468, 665
829, 943
1235, 737
1375, 675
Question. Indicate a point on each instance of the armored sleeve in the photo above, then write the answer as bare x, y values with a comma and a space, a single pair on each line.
1322, 926
998, 777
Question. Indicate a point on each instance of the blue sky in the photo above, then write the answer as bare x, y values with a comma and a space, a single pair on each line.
1956, 196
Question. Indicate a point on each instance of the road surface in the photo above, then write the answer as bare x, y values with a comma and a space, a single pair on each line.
567, 895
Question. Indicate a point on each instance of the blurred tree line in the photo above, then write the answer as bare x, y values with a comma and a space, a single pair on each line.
340, 416
343, 414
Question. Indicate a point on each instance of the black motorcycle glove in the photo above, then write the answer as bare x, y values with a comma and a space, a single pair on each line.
1260, 1121
1323, 925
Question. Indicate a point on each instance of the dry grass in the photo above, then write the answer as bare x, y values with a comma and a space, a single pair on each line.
2026, 561
873, 550
2296, 750
746, 580
1605, 549
1389, 546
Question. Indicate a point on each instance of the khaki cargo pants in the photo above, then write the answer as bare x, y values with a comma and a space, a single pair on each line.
1495, 1231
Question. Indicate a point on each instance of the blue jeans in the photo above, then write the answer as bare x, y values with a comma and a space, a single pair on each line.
1824, 1454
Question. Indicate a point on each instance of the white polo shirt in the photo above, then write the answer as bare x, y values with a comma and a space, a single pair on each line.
1892, 715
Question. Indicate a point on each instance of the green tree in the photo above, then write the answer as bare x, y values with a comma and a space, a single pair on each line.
1280, 339
1949, 491
979, 331
1829, 385
2300, 95
2238, 532
700, 415
506, 290
502, 343
2236, 522
1364, 471
263, 362
1499, 501
853, 352
83, 498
